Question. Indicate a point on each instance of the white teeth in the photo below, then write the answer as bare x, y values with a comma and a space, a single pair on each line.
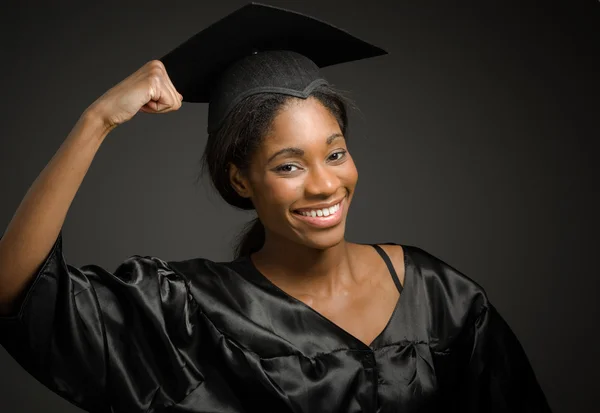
321, 212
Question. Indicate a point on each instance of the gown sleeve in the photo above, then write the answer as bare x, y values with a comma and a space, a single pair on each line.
500, 378
104, 341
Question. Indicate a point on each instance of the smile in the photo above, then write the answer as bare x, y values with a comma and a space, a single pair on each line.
325, 217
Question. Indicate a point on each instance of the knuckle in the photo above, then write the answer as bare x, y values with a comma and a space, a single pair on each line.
153, 85
154, 79
156, 64
155, 72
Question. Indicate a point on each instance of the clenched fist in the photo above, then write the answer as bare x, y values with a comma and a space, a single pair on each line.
149, 90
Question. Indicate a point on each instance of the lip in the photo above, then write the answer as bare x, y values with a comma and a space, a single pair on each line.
324, 222
321, 206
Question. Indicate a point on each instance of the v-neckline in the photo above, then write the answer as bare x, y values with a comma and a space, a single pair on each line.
265, 281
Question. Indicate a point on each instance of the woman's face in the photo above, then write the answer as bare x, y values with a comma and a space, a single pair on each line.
303, 163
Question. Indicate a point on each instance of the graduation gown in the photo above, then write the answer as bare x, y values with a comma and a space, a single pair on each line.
205, 336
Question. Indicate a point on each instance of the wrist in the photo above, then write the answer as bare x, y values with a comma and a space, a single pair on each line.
95, 125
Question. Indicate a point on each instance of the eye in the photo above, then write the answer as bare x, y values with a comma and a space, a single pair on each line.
285, 168
340, 154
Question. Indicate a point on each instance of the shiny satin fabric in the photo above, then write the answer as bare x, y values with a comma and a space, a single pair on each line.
203, 336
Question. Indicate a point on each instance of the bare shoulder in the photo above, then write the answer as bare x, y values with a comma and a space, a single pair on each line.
369, 258
396, 254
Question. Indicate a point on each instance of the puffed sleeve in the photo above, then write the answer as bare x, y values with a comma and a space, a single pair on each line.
500, 378
107, 342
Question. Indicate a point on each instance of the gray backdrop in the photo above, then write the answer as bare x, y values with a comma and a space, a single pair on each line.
475, 140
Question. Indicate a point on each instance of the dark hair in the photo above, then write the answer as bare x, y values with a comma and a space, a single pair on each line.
240, 135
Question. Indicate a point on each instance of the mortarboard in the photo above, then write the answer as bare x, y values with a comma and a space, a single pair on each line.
258, 48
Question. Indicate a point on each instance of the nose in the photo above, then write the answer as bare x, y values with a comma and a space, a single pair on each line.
321, 181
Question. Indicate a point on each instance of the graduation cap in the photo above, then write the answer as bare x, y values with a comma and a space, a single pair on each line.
259, 48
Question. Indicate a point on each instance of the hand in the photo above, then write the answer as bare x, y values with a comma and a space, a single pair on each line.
148, 90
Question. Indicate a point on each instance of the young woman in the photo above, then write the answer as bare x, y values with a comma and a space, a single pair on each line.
302, 320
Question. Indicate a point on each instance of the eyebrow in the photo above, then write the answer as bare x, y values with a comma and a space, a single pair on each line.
300, 152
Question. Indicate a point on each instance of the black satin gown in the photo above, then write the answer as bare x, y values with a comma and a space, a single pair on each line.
204, 336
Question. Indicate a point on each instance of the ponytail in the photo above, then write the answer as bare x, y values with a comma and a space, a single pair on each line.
251, 239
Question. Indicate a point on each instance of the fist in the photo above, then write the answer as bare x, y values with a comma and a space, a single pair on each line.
148, 89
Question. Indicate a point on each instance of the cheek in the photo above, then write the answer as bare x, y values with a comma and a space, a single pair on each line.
349, 173
281, 191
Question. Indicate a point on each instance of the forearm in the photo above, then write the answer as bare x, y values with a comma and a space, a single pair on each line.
39, 218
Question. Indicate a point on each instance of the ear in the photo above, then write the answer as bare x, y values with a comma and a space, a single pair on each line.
239, 181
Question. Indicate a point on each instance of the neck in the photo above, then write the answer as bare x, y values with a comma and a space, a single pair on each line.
305, 269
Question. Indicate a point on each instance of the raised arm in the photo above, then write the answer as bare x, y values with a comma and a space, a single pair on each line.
103, 340
39, 218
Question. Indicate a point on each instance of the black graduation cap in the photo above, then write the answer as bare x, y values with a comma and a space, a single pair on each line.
258, 48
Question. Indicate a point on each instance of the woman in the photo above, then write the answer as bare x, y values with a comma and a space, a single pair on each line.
302, 320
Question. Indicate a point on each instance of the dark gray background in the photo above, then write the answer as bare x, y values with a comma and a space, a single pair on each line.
475, 140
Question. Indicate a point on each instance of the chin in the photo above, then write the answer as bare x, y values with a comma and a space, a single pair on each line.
323, 239
323, 245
